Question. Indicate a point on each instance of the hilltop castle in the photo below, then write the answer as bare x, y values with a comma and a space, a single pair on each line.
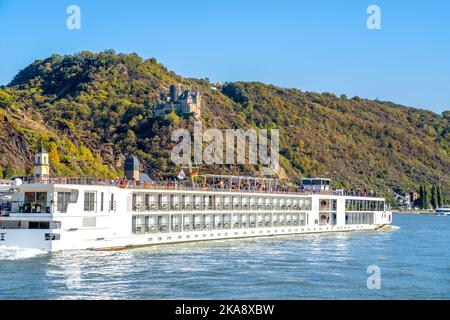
180, 103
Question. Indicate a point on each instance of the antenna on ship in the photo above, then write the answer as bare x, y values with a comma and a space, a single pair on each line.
155, 173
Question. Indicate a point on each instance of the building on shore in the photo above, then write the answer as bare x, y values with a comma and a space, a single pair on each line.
407, 200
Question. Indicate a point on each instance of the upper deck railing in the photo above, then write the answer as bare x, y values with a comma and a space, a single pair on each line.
175, 185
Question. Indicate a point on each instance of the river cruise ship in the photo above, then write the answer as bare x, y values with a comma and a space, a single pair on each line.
54, 214
67, 213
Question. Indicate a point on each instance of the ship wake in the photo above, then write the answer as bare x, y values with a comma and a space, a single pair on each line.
16, 253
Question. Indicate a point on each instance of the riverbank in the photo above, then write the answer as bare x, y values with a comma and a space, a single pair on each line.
412, 211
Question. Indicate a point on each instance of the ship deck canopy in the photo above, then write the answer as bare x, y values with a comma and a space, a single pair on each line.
239, 182
316, 182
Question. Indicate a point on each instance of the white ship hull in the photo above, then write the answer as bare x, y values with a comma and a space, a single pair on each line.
34, 239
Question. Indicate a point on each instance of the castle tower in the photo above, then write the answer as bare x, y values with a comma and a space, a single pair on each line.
175, 91
132, 168
198, 102
41, 164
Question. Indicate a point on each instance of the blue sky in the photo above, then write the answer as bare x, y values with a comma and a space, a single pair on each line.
321, 45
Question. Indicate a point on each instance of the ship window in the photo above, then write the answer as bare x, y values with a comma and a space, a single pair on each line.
333, 204
89, 201
134, 203
36, 202
38, 225
38, 197
74, 196
112, 203
102, 197
52, 236
63, 201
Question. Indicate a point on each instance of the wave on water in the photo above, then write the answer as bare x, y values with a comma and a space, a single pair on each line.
16, 253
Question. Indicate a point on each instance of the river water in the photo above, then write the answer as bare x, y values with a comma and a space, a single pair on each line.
413, 263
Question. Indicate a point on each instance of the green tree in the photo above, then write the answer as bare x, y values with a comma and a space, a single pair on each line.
8, 173
173, 118
440, 197
434, 197
426, 197
421, 196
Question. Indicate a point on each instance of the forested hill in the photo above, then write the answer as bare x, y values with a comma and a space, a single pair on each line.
89, 109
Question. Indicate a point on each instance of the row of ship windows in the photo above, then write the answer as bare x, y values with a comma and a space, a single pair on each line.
196, 222
178, 222
151, 202
364, 205
359, 218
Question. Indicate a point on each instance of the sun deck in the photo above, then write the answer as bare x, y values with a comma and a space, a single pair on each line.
217, 184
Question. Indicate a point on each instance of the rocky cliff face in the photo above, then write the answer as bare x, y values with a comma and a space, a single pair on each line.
90, 109
16, 154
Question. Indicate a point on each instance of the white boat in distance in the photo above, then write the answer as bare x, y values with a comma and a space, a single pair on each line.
442, 211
